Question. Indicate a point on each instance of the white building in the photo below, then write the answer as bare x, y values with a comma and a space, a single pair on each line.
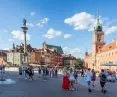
15, 58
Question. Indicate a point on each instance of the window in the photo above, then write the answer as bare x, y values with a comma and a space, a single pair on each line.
110, 47
99, 40
115, 52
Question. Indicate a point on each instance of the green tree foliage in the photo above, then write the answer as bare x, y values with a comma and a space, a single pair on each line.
79, 63
66, 64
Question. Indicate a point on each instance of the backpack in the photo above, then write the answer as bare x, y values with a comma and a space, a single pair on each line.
103, 78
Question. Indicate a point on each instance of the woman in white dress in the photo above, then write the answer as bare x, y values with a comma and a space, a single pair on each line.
71, 79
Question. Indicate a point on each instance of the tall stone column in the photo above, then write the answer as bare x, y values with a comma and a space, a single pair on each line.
24, 29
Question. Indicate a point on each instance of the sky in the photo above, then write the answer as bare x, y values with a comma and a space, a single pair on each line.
65, 23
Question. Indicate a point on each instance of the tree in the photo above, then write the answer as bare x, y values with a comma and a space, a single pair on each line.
79, 63
66, 63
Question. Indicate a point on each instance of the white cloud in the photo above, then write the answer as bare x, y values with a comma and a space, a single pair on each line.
80, 21
52, 33
33, 13
109, 30
86, 21
42, 22
18, 35
66, 36
6, 49
73, 51
30, 24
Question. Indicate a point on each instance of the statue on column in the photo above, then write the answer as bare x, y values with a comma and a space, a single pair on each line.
24, 22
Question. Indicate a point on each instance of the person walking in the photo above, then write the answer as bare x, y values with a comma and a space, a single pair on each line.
65, 82
30, 72
56, 72
88, 79
50, 72
103, 80
76, 79
82, 73
93, 77
26, 73
20, 70
72, 79
39, 71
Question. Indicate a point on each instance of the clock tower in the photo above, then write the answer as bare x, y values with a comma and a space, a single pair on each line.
98, 36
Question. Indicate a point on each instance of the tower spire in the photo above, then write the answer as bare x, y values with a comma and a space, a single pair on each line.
13, 46
98, 26
98, 18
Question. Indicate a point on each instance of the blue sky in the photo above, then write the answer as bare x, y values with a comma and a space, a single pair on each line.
64, 23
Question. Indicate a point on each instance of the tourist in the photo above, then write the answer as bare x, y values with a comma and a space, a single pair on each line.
20, 70
103, 80
72, 79
114, 76
50, 72
65, 82
93, 77
76, 76
30, 72
47, 72
53, 72
39, 71
26, 72
88, 79
82, 73
56, 72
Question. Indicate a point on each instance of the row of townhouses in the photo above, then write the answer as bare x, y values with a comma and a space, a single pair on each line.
49, 55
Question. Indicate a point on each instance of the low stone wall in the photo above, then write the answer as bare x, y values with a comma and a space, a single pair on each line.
11, 69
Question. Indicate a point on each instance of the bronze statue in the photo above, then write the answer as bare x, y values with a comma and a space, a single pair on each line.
24, 22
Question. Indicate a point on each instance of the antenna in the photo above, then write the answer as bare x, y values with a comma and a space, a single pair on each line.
97, 12
98, 16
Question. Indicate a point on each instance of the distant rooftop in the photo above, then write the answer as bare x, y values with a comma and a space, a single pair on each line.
58, 48
109, 46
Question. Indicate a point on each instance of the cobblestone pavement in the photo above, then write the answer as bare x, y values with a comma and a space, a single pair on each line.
46, 88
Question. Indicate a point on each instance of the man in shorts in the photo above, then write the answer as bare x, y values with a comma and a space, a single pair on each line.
88, 79
103, 79
72, 79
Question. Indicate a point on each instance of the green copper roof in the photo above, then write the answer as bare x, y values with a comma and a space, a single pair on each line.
58, 48
98, 26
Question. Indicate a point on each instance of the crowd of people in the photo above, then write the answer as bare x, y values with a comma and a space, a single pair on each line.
42, 72
70, 79
47, 72
27, 71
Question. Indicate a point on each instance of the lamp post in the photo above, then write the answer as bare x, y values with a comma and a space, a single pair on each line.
25, 55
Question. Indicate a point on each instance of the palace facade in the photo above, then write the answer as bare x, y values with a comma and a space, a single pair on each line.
101, 53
